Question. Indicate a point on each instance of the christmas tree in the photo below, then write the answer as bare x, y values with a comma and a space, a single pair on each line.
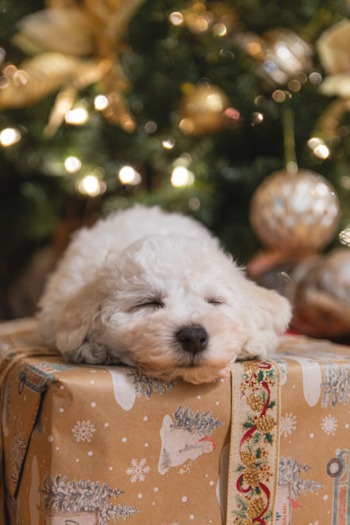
187, 104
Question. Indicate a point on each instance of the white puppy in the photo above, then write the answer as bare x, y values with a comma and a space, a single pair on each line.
154, 290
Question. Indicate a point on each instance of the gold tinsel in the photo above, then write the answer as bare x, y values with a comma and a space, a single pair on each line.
73, 44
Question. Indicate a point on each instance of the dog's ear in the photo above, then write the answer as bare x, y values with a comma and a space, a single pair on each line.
76, 326
266, 315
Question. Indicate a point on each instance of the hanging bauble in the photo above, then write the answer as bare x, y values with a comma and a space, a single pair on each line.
295, 211
203, 109
280, 53
319, 289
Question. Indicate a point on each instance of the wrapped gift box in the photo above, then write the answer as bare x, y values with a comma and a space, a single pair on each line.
96, 445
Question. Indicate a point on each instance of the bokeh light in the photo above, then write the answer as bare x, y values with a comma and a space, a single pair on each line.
9, 136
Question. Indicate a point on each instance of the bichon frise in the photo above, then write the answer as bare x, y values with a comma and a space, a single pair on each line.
154, 290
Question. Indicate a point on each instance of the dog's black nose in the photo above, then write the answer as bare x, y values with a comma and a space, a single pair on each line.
193, 338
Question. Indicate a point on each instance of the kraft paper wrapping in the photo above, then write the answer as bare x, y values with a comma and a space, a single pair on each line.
95, 445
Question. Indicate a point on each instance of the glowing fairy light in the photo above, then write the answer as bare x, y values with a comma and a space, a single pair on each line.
101, 102
319, 148
214, 102
77, 116
176, 18
9, 136
322, 151
168, 143
314, 142
72, 164
220, 30
181, 176
91, 185
128, 175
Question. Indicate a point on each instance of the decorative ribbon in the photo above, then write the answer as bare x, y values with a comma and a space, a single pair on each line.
254, 446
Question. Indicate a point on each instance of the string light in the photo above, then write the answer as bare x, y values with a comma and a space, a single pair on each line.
9, 136
257, 118
101, 102
72, 164
220, 30
91, 185
322, 152
77, 116
319, 148
169, 143
181, 176
128, 175
176, 18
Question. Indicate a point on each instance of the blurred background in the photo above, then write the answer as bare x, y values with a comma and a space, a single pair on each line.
235, 112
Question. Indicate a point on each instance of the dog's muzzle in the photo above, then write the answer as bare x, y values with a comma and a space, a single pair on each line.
192, 338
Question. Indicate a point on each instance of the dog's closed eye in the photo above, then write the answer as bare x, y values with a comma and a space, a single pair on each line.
215, 300
155, 304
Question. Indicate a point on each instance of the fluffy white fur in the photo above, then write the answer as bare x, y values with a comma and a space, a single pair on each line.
140, 286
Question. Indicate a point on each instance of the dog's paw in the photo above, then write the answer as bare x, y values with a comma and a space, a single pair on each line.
88, 352
266, 319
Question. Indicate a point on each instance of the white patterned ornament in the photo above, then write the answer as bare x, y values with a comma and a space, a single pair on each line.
295, 211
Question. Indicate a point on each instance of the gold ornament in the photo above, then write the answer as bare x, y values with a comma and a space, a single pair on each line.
295, 211
333, 47
281, 54
319, 290
74, 44
203, 109
265, 423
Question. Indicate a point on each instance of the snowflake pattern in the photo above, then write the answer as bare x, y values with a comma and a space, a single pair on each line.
288, 424
83, 431
329, 425
138, 470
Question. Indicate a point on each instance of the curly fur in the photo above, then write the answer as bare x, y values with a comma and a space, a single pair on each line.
125, 287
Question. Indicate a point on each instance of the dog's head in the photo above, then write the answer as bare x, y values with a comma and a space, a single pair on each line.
171, 306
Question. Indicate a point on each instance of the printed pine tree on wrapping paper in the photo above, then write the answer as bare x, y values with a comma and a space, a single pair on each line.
61, 495
203, 423
336, 385
290, 475
186, 435
148, 385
